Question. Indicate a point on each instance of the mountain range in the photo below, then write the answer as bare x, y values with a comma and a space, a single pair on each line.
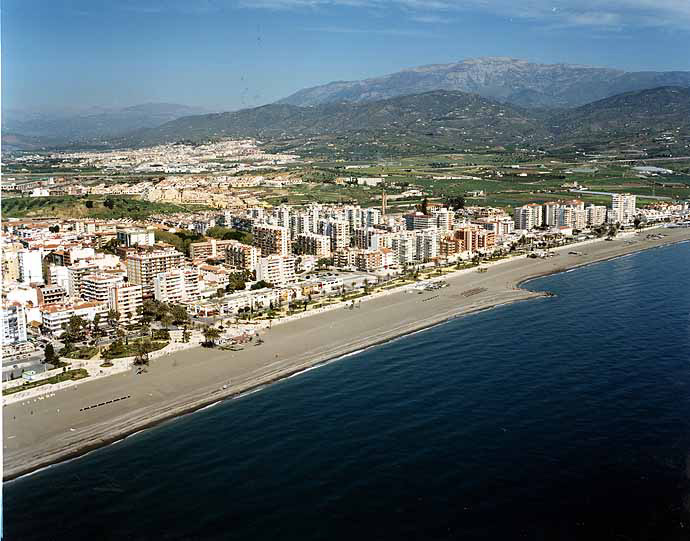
438, 119
514, 81
493, 101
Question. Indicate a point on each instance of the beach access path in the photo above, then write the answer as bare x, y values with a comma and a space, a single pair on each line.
72, 421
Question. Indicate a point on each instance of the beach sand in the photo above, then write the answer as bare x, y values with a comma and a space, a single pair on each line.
41, 432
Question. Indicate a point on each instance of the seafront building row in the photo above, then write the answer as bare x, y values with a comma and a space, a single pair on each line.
94, 269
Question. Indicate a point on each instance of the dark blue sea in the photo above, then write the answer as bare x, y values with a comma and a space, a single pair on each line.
560, 418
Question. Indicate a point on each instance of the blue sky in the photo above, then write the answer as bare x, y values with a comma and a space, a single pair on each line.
228, 54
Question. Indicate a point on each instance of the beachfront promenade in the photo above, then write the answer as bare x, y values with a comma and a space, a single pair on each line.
38, 432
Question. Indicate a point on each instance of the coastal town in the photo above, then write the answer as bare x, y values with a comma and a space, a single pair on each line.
84, 298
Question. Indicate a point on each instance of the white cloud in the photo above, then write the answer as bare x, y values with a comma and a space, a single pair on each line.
593, 13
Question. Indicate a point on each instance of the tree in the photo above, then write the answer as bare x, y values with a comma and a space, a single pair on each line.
109, 203
179, 314
166, 320
74, 329
50, 356
260, 285
425, 205
143, 348
637, 222
89, 204
455, 203
211, 334
185, 334
113, 318
324, 262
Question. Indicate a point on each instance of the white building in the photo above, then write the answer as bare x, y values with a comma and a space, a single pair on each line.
177, 286
596, 215
139, 237
13, 324
55, 315
30, 266
276, 270
623, 208
127, 301
528, 216
96, 287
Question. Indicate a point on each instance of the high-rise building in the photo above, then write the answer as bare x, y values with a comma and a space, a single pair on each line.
595, 215
623, 208
311, 244
242, 256
96, 287
144, 267
30, 266
277, 270
338, 231
528, 216
127, 301
13, 324
271, 239
177, 285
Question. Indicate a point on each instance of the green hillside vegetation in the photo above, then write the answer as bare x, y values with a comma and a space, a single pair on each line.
181, 240
442, 122
69, 206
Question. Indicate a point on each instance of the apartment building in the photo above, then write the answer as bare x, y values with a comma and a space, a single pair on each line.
127, 301
30, 266
55, 315
417, 220
13, 324
312, 244
242, 256
277, 270
75, 277
51, 294
623, 208
475, 238
213, 248
528, 216
144, 267
177, 286
501, 226
271, 240
136, 237
338, 231
595, 215
96, 287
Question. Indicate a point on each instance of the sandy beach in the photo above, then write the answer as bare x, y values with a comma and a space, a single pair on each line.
41, 432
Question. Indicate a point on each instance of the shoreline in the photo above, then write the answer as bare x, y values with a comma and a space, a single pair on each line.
516, 273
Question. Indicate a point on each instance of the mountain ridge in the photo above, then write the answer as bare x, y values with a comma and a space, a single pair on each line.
512, 80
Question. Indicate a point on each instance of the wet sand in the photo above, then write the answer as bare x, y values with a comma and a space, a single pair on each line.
41, 432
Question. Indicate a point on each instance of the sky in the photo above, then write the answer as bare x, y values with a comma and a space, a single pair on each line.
230, 54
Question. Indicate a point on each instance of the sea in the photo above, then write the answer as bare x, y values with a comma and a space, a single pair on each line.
560, 418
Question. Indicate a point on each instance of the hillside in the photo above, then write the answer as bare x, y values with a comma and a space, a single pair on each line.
439, 115
69, 206
518, 82
645, 113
